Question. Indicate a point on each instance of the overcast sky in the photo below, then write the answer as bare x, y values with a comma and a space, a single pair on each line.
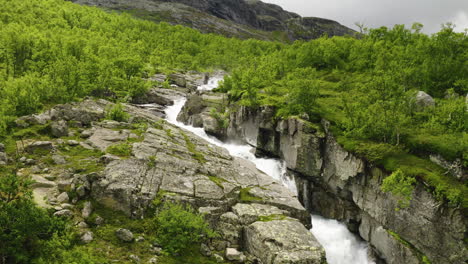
376, 13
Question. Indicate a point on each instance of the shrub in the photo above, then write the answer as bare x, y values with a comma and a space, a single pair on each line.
178, 227
117, 113
401, 186
23, 226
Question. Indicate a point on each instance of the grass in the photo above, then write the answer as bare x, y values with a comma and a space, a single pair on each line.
392, 158
82, 160
121, 150
246, 196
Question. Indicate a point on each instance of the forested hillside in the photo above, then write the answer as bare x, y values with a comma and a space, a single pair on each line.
54, 51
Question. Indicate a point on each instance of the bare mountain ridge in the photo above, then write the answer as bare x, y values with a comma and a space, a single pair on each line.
232, 18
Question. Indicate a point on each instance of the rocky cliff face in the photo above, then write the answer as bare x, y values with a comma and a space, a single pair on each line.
239, 18
337, 184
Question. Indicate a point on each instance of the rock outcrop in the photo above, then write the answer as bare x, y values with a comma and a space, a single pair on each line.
337, 184
167, 163
238, 18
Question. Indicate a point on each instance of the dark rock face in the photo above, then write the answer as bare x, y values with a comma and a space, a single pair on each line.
239, 18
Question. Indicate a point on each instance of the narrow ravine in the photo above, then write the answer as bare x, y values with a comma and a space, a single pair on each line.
341, 246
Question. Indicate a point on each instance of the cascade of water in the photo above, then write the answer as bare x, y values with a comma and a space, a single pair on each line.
341, 246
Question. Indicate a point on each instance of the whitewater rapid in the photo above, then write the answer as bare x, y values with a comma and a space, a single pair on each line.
341, 246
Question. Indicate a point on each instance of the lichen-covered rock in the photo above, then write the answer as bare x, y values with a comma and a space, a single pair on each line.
87, 237
87, 210
124, 235
283, 241
39, 146
423, 100
59, 128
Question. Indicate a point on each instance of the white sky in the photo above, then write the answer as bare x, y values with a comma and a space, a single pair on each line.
376, 13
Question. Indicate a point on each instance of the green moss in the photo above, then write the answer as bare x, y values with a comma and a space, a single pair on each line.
423, 259
192, 148
34, 132
121, 150
218, 181
82, 160
246, 196
151, 162
272, 217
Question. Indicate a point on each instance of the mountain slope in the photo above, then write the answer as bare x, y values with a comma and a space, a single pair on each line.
234, 18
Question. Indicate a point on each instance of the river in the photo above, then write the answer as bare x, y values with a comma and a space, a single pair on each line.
341, 246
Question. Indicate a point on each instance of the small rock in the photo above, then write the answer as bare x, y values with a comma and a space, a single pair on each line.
81, 191
35, 169
87, 133
218, 258
108, 158
64, 213
87, 210
82, 225
2, 147
30, 162
124, 235
134, 258
140, 239
50, 177
153, 260
45, 170
58, 208
39, 145
99, 220
87, 237
64, 185
67, 206
63, 198
59, 128
58, 159
205, 250
156, 250
59, 141
234, 255
22, 159
73, 143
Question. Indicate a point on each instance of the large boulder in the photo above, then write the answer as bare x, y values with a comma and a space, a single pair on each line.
423, 101
283, 241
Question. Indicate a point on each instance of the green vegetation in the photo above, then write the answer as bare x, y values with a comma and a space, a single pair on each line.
367, 89
423, 259
222, 118
273, 217
193, 149
245, 195
117, 113
401, 186
121, 150
178, 227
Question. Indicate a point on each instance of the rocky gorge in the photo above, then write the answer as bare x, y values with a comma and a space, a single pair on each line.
91, 162
341, 185
259, 219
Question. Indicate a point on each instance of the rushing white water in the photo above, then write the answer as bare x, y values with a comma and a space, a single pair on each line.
341, 246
